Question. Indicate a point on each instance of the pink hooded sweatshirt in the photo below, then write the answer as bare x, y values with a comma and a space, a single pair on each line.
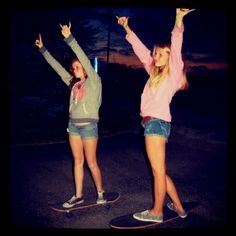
155, 102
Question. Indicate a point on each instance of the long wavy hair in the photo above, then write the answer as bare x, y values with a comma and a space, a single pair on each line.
184, 84
74, 79
157, 73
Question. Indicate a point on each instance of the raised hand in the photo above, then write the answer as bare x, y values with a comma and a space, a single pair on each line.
123, 20
180, 13
39, 42
65, 30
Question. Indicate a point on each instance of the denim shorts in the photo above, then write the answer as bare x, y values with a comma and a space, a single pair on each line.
85, 131
157, 127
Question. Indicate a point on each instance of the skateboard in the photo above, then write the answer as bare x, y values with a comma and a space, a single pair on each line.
128, 222
90, 201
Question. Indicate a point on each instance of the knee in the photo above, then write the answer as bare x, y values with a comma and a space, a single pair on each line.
78, 160
159, 171
92, 165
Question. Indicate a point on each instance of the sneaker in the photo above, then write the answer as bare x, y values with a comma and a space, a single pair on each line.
73, 201
100, 199
147, 216
170, 205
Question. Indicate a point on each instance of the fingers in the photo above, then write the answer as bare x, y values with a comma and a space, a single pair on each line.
123, 20
186, 10
37, 42
62, 26
122, 17
183, 9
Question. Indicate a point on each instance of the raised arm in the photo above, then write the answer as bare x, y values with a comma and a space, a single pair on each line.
141, 51
65, 76
176, 64
84, 60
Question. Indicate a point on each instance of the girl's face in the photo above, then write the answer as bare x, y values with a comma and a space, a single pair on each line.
161, 56
77, 69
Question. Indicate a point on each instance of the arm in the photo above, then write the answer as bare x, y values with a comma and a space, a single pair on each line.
141, 51
175, 62
52, 61
71, 41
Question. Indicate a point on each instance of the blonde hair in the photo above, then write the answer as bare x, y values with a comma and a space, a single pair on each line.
157, 73
184, 84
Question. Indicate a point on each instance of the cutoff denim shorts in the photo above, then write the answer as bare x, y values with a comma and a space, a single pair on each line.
157, 127
85, 131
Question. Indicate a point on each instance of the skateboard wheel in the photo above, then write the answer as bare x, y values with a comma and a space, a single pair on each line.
108, 206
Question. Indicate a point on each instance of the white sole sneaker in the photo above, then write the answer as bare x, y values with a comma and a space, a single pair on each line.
170, 205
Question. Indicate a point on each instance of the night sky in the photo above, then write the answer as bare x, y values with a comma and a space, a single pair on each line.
205, 37
35, 90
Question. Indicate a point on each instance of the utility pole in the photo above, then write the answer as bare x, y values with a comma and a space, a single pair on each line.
109, 36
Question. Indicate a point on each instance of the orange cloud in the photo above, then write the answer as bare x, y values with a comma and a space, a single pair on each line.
209, 65
134, 62
131, 60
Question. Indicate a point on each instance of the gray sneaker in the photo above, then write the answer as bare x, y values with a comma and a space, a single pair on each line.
100, 199
147, 216
73, 201
170, 205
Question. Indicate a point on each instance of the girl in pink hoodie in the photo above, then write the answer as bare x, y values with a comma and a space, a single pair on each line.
165, 68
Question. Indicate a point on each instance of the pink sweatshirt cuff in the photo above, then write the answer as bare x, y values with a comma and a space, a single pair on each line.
129, 37
176, 29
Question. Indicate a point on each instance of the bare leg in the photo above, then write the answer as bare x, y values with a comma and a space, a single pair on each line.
155, 147
172, 192
77, 151
90, 147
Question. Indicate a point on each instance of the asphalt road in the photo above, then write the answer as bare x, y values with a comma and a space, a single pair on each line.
42, 174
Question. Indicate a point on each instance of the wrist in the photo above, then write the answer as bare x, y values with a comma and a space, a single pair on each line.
179, 17
127, 29
69, 38
179, 21
42, 49
66, 36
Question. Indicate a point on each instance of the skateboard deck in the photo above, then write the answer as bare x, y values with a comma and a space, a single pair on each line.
90, 201
128, 222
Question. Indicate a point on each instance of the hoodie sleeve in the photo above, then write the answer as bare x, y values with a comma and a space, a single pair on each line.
176, 64
141, 51
61, 71
92, 74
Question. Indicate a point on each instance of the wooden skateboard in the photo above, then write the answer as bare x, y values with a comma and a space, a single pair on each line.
128, 222
90, 201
